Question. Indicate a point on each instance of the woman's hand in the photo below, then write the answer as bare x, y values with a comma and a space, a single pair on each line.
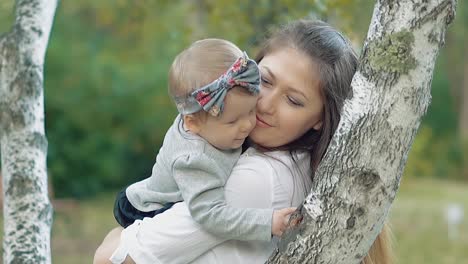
280, 220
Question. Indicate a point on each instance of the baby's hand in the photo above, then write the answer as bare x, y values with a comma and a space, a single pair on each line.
280, 220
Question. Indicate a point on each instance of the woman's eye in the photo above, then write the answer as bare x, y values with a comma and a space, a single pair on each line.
265, 81
294, 101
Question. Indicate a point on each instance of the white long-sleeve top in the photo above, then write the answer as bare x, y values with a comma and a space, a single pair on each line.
272, 180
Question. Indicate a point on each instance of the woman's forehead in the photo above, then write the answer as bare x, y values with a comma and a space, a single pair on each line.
291, 68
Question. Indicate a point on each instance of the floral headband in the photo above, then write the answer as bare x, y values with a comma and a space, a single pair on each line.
244, 73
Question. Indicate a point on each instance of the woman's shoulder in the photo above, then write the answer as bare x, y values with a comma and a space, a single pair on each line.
251, 159
281, 165
275, 159
255, 159
254, 153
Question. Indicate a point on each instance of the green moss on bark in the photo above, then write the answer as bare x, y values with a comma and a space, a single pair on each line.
393, 53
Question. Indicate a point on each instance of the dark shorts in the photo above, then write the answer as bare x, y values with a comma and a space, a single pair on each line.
126, 214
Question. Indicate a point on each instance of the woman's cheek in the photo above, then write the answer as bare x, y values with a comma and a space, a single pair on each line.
289, 113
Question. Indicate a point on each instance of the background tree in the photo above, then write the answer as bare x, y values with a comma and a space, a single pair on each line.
359, 176
26, 210
457, 54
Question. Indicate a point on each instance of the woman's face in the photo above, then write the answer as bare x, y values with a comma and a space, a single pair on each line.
290, 103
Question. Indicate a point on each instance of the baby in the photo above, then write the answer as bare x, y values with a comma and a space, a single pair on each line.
215, 87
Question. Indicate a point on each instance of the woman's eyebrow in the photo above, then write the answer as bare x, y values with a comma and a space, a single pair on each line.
289, 87
294, 90
269, 72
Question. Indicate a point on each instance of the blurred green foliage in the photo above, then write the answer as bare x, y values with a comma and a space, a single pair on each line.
107, 107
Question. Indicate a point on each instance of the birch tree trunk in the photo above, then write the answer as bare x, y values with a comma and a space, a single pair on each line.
463, 123
359, 176
27, 210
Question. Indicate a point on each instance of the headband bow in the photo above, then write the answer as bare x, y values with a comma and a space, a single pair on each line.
244, 73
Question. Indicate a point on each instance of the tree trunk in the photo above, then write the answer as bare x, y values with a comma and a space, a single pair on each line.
27, 210
457, 68
457, 73
463, 123
359, 176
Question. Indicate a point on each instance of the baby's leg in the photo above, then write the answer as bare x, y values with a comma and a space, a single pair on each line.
108, 246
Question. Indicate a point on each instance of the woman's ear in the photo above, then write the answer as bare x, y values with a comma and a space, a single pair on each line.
192, 123
318, 125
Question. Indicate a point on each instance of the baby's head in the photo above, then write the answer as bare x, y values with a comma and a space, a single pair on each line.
218, 107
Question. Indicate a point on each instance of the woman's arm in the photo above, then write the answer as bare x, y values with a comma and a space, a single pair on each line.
174, 237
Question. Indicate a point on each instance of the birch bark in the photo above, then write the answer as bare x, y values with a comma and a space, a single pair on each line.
27, 210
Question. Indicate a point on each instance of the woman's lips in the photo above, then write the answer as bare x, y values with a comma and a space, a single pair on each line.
261, 123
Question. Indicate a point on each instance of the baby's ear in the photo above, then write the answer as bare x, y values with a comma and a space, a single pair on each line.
192, 123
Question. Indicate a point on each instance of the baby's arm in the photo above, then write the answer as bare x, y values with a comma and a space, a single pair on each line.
201, 183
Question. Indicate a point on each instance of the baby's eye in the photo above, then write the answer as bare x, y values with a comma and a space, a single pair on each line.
232, 122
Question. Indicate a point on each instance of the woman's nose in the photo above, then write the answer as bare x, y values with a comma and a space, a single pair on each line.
265, 103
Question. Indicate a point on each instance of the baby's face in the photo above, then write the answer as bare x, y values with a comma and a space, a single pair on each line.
231, 128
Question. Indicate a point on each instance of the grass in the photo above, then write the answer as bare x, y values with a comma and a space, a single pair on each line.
78, 231
78, 228
417, 219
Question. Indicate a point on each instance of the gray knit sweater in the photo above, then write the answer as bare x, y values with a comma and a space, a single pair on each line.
188, 168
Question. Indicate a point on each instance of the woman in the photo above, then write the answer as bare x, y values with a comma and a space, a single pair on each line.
306, 70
